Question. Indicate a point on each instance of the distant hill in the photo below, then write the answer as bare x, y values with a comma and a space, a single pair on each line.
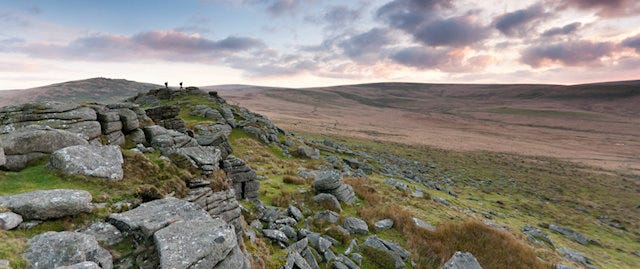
104, 90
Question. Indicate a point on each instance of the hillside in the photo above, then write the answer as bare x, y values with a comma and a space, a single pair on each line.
104, 89
596, 124
296, 199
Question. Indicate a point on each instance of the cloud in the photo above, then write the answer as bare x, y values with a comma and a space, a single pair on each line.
367, 47
419, 57
455, 32
277, 7
605, 8
409, 14
170, 45
518, 23
575, 53
564, 30
632, 42
339, 16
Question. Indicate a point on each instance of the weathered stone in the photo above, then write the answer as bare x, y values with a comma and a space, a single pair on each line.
295, 213
107, 115
295, 260
3, 159
275, 235
310, 258
162, 112
143, 221
355, 225
289, 231
104, 162
104, 232
327, 180
357, 258
9, 220
137, 136
161, 138
300, 245
423, 224
574, 256
308, 152
111, 126
82, 265
116, 138
348, 262
129, 119
204, 158
319, 243
27, 144
399, 254
326, 216
194, 243
353, 247
571, 234
345, 194
384, 224
243, 178
536, 235
328, 201
48, 204
397, 184
441, 200
53, 249
462, 260
338, 265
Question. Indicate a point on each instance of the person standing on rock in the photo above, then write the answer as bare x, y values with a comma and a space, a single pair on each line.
181, 85
166, 85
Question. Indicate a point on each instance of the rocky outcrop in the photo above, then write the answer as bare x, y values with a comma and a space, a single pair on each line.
214, 135
164, 139
167, 117
204, 158
221, 204
244, 179
573, 235
96, 161
104, 233
355, 225
330, 181
48, 204
26, 144
399, 254
53, 249
462, 260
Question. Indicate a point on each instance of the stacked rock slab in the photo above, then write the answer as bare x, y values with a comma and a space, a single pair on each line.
204, 158
167, 117
111, 126
215, 135
244, 179
163, 139
182, 234
222, 204
330, 181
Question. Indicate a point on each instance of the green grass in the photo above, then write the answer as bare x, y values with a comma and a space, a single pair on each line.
546, 113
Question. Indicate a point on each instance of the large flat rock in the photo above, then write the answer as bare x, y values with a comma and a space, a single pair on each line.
48, 204
97, 161
143, 221
53, 249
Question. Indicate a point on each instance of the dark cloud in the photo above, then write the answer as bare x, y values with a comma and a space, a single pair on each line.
170, 45
409, 14
605, 8
564, 30
340, 16
518, 23
455, 32
419, 57
632, 42
576, 53
277, 7
367, 47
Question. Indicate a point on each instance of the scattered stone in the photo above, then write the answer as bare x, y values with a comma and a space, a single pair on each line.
295, 213
53, 249
353, 247
29, 224
275, 235
326, 216
574, 256
9, 220
311, 258
338, 265
396, 184
399, 254
355, 225
423, 224
300, 245
330, 181
289, 231
571, 234
357, 258
195, 243
82, 265
328, 201
97, 161
562, 266
384, 224
295, 260
441, 200
256, 224
319, 243
308, 152
417, 194
462, 260
536, 235
348, 262
48, 204
104, 232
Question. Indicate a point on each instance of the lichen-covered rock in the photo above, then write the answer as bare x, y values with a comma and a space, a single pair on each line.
330, 181
398, 253
462, 260
221, 204
195, 243
53, 249
3, 159
163, 139
143, 221
48, 204
308, 152
204, 158
97, 161
244, 179
82, 265
104, 233
29, 143
423, 224
355, 225
9, 220
384, 224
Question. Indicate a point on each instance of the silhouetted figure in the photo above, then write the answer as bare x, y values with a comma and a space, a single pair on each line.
166, 85
181, 85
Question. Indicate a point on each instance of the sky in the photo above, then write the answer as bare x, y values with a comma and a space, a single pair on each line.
306, 43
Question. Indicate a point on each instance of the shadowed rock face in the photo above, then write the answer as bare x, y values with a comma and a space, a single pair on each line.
53, 249
48, 204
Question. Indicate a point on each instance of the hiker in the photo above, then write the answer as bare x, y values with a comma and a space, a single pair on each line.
166, 85
181, 85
